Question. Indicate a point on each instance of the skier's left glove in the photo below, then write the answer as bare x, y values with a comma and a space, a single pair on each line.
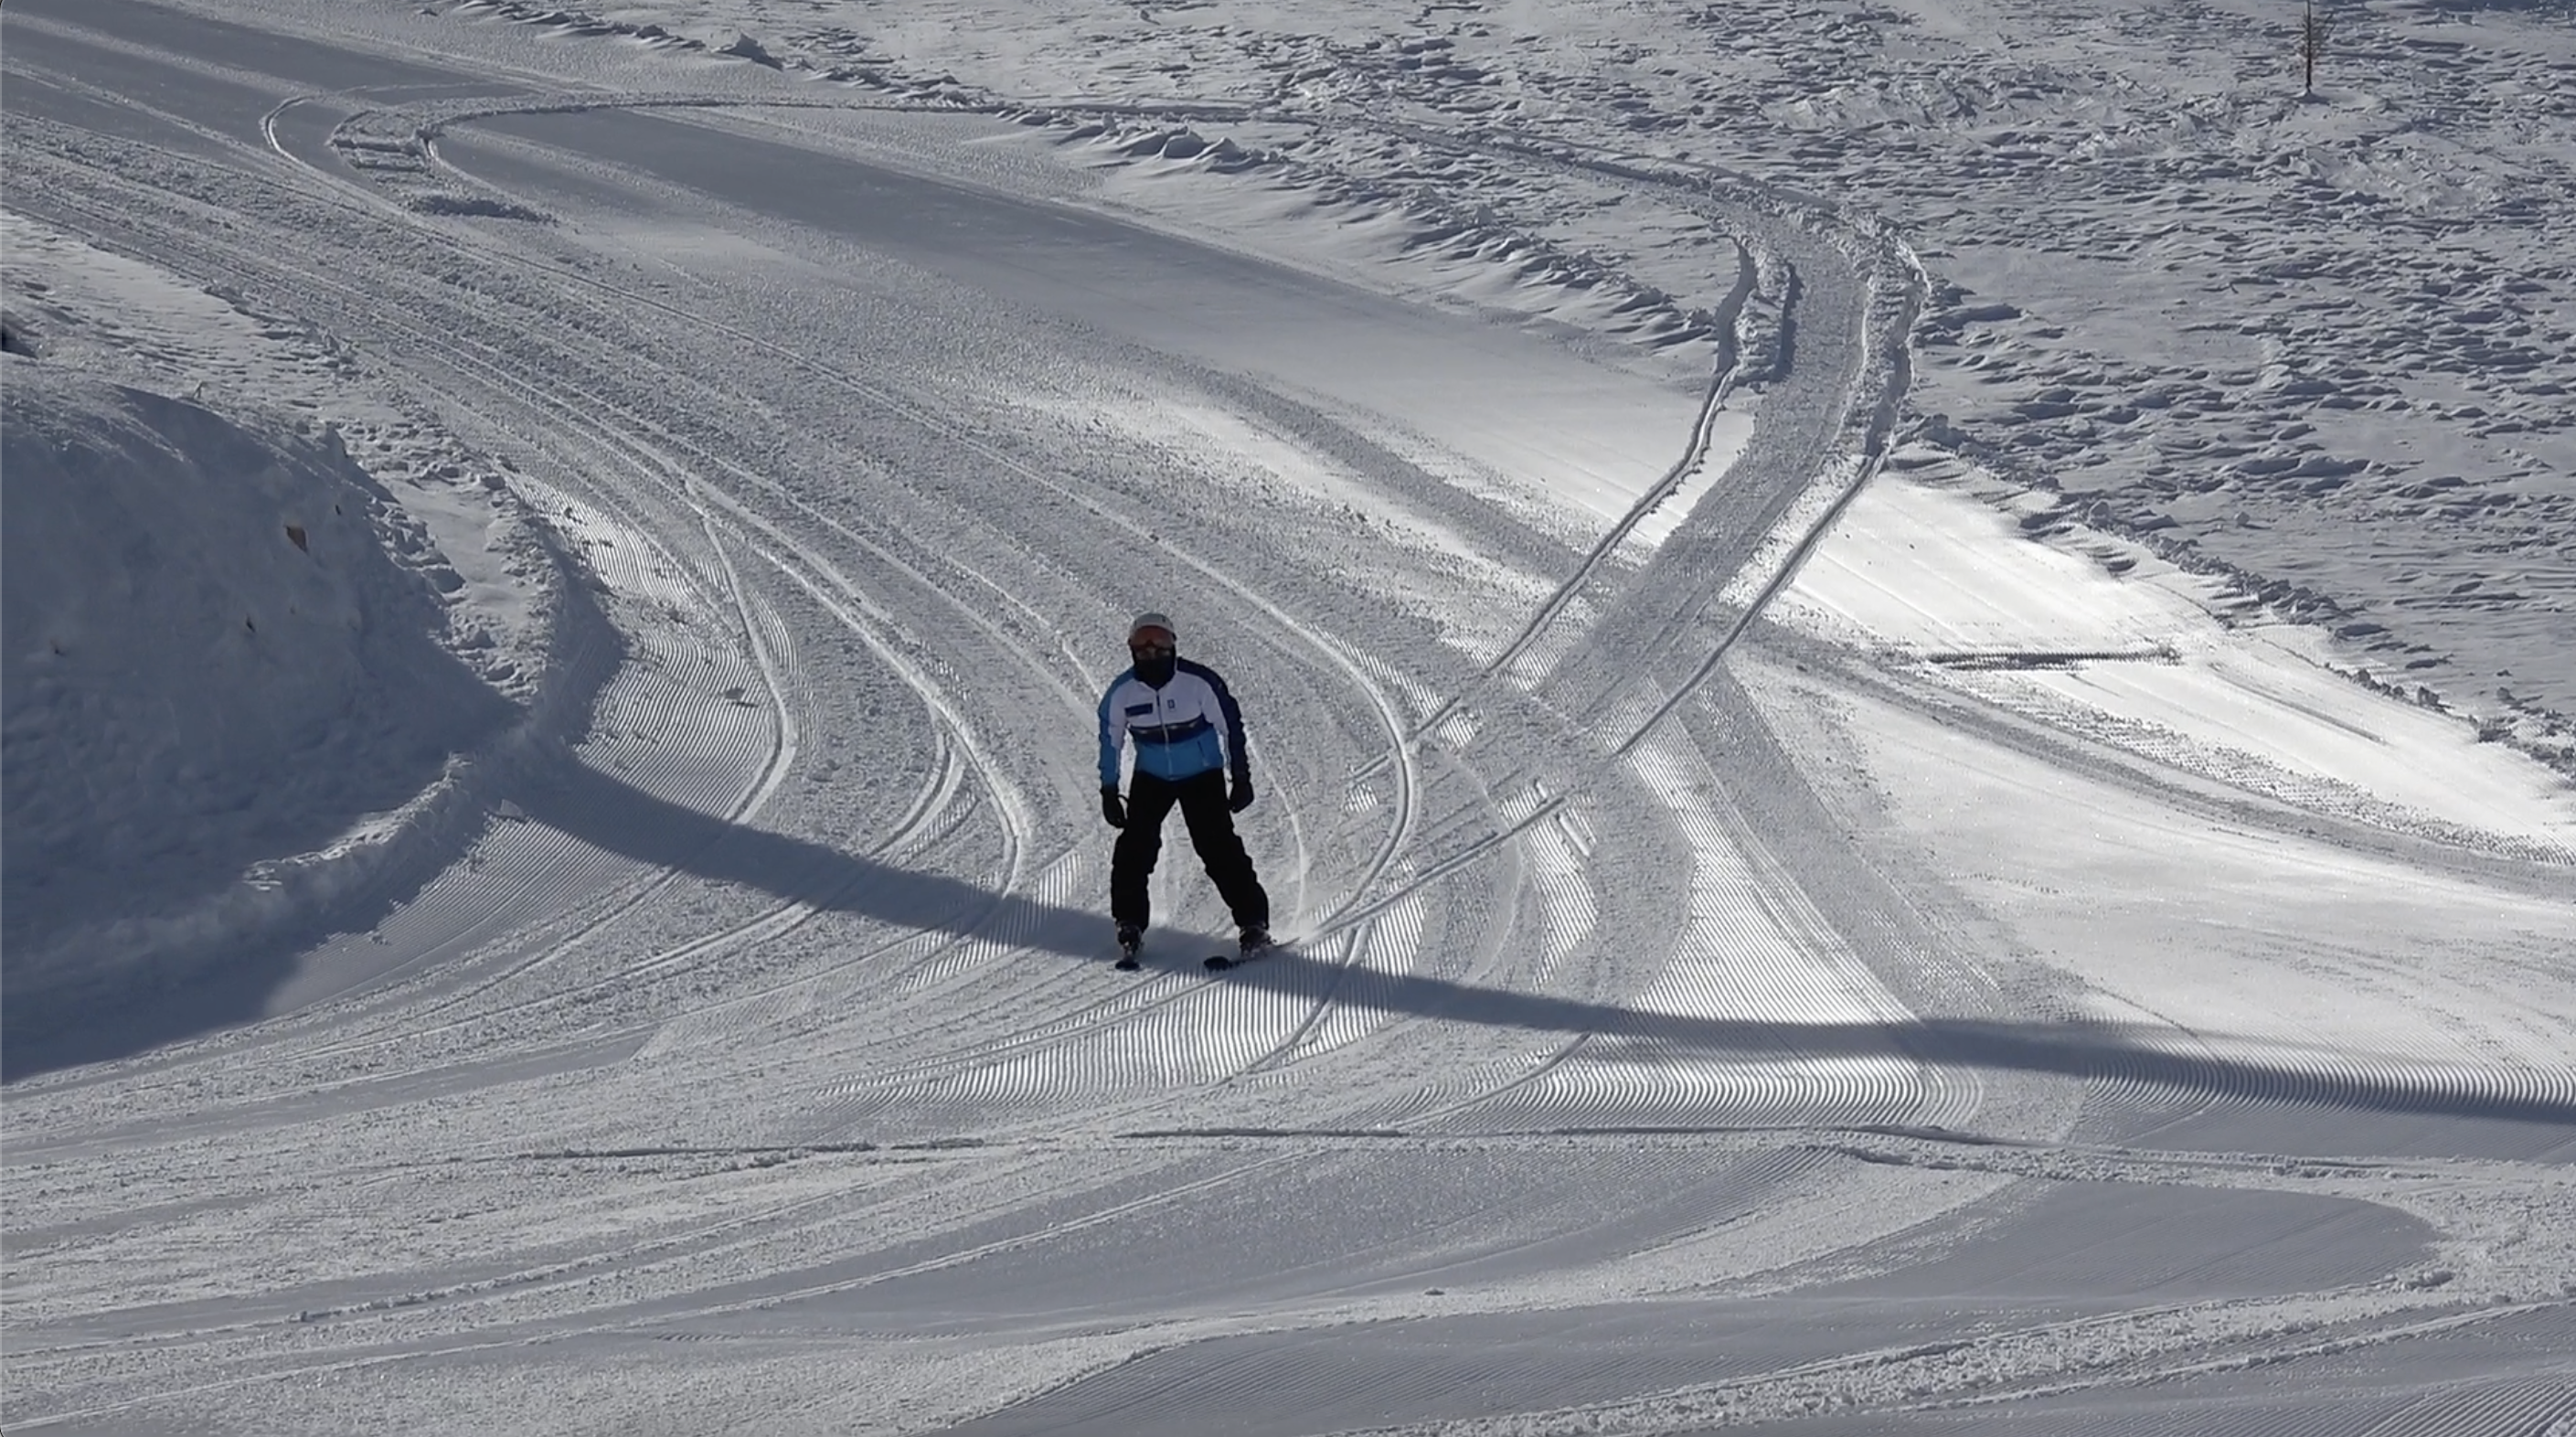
1239, 797
1113, 809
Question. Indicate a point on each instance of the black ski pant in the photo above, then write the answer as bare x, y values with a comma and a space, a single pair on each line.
1202, 803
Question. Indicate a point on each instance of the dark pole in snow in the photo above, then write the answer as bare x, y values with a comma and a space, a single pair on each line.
2312, 38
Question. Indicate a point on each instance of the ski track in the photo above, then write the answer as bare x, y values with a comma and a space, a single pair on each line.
622, 573
537, 878
1695, 450
1408, 780
707, 765
903, 1085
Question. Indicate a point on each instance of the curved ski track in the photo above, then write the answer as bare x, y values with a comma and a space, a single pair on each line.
1365, 953
695, 947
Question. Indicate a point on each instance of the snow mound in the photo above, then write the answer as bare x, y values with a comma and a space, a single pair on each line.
213, 665
741, 46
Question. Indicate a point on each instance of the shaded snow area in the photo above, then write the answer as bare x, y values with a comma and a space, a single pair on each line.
1908, 672
212, 660
244, 682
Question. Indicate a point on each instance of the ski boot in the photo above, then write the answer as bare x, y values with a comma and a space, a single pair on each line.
1130, 938
1253, 943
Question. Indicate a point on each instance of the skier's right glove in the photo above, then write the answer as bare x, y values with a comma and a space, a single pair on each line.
1112, 808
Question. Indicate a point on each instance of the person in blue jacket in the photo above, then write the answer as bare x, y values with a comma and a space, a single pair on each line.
1188, 734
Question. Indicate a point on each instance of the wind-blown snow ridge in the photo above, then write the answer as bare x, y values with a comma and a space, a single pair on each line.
1709, 997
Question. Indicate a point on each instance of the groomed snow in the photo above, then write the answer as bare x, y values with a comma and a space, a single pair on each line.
1905, 666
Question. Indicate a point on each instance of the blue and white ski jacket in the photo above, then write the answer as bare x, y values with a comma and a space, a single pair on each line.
1175, 726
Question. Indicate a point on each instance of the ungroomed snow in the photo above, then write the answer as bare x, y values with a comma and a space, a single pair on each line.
1907, 671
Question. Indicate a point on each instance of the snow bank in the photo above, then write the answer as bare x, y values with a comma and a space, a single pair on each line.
214, 661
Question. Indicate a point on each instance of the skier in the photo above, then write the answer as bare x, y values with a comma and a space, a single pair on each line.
1189, 740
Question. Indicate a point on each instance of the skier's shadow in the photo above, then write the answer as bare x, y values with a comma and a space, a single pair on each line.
617, 816
94, 1025
609, 813
2088, 1051
614, 815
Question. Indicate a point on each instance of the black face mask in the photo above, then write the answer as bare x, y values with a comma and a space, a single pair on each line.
1156, 669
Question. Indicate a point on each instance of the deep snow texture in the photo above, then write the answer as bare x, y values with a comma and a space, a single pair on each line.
246, 675
211, 659
1770, 942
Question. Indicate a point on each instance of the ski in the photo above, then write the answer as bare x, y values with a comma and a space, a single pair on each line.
1219, 962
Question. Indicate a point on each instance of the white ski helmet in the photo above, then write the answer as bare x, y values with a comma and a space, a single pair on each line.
1153, 620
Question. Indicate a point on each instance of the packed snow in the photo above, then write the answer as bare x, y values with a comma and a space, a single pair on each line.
1908, 667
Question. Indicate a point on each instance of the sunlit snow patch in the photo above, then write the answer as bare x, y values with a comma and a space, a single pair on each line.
2137, 661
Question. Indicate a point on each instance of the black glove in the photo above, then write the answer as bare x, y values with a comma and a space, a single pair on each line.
1239, 797
1113, 808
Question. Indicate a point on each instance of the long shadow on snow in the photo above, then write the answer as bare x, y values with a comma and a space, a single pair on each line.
603, 810
2089, 1051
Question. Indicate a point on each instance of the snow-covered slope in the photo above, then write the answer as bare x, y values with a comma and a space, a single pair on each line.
211, 659
243, 681
1791, 922
2318, 344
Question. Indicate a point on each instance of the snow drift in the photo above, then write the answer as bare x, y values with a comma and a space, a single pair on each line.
216, 663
